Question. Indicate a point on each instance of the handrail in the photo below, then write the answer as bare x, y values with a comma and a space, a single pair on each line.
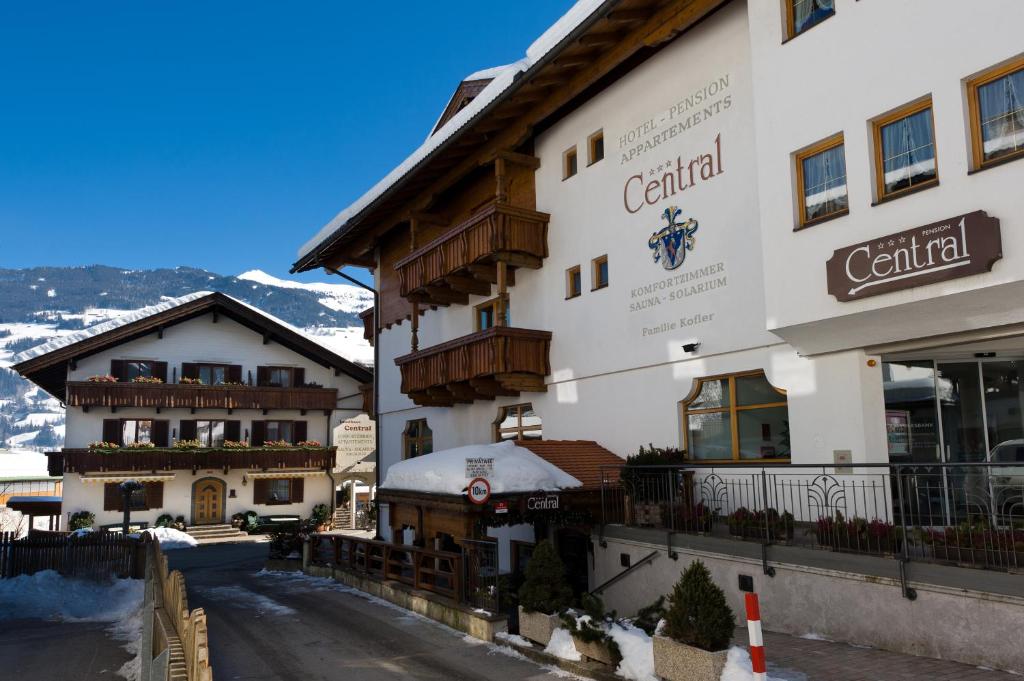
475, 337
649, 558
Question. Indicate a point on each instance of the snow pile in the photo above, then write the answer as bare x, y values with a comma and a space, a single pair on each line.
738, 668
514, 639
22, 464
561, 645
516, 469
240, 597
171, 538
48, 595
637, 650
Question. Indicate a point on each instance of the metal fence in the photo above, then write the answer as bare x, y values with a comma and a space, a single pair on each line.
482, 581
969, 514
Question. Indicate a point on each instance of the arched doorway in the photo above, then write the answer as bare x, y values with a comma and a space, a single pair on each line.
208, 501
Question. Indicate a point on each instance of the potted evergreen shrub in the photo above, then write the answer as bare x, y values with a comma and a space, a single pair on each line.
698, 629
544, 593
81, 520
589, 630
321, 517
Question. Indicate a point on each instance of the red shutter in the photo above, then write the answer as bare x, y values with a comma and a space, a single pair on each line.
117, 369
260, 491
189, 370
298, 485
112, 431
299, 431
154, 495
259, 433
161, 433
112, 497
235, 373
298, 377
262, 376
233, 430
160, 370
188, 430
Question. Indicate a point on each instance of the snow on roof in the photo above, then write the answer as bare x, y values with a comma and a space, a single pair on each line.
515, 470
92, 331
503, 78
484, 74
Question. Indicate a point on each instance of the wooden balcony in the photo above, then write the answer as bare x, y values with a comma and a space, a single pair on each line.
367, 318
464, 259
86, 394
144, 460
482, 365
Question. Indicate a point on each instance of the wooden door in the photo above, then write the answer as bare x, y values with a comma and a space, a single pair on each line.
208, 502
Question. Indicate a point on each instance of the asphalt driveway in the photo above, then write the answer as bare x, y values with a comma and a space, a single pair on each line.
288, 626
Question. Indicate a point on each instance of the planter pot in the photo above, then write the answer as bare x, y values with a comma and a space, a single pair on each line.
594, 651
323, 528
679, 662
537, 626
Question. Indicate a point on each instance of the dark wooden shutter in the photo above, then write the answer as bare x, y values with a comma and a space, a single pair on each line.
235, 373
160, 370
112, 497
112, 431
189, 370
260, 490
233, 430
154, 495
298, 377
298, 485
188, 430
117, 369
259, 433
299, 431
161, 433
262, 376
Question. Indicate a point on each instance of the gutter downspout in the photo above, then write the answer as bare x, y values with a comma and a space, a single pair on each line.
376, 387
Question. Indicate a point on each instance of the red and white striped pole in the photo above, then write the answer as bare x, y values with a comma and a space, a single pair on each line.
757, 659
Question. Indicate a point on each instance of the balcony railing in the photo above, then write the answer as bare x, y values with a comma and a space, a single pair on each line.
253, 458
497, 361
178, 395
464, 259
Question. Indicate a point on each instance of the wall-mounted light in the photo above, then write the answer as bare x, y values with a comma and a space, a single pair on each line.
691, 347
872, 362
245, 480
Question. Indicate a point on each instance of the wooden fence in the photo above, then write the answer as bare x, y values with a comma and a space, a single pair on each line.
176, 630
99, 555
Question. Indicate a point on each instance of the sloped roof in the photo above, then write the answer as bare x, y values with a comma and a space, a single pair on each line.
45, 365
585, 460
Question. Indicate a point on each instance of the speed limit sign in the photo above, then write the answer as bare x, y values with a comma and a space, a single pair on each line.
479, 491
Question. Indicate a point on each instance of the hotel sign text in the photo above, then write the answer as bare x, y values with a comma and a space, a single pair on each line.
956, 247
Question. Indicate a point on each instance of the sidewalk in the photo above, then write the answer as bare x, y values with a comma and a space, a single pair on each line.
817, 660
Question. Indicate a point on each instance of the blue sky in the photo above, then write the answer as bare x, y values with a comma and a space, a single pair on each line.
220, 135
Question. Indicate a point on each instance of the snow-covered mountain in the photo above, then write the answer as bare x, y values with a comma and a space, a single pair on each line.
39, 304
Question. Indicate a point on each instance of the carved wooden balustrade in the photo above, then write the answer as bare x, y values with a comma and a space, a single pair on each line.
464, 260
128, 459
500, 360
87, 394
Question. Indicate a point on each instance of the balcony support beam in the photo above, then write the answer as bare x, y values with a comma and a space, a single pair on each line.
464, 284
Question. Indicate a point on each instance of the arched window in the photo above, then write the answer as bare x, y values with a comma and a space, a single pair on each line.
417, 439
517, 422
736, 417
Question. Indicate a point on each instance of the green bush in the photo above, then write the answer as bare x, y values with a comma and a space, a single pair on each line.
81, 520
165, 520
545, 589
647, 617
320, 514
698, 614
593, 628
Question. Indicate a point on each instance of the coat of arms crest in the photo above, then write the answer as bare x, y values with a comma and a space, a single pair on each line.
671, 243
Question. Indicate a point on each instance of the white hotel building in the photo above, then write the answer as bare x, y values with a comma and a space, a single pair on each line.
763, 232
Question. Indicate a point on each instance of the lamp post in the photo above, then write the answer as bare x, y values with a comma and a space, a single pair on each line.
128, 487
376, 386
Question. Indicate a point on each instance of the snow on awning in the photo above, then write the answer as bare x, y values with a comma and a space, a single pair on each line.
287, 474
515, 469
123, 477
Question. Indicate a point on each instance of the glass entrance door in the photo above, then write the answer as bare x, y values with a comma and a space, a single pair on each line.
962, 407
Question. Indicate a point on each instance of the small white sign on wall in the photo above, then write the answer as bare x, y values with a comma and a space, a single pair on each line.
479, 467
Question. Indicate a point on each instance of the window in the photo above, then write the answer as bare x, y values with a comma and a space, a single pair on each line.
151, 496
905, 150
133, 370
136, 432
569, 163
517, 422
487, 314
281, 377
821, 180
599, 272
573, 282
595, 147
210, 433
803, 14
280, 430
213, 374
738, 417
279, 491
417, 439
997, 114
